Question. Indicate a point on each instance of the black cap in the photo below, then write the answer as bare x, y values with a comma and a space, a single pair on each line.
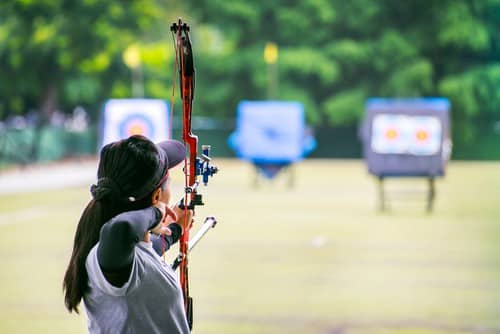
170, 154
114, 184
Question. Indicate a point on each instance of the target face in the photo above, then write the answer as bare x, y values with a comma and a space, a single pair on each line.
137, 124
270, 130
123, 118
425, 136
390, 134
401, 134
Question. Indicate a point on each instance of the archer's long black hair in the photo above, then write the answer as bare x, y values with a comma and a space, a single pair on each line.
123, 166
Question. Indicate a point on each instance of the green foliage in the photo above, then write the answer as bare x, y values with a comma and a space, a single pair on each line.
333, 54
410, 80
476, 96
345, 107
461, 30
73, 47
310, 64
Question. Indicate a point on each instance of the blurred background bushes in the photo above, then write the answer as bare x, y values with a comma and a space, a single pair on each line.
59, 56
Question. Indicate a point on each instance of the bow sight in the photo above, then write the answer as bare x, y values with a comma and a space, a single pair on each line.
203, 166
206, 170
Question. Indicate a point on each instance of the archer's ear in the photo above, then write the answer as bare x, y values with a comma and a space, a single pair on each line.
155, 197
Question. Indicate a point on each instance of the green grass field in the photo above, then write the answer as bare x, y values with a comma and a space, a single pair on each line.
318, 258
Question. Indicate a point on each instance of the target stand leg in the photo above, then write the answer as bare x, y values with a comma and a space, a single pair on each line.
431, 194
381, 194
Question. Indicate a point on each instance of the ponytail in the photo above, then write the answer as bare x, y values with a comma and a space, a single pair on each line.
124, 167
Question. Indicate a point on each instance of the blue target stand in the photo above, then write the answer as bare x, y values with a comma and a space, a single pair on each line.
122, 118
272, 136
406, 138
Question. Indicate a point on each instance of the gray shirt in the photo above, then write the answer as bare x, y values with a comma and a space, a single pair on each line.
149, 302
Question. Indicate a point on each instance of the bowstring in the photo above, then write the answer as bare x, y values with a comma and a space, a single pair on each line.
187, 162
170, 130
172, 98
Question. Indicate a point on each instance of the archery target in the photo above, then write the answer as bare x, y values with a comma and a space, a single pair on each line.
400, 134
123, 118
425, 136
136, 124
271, 131
390, 134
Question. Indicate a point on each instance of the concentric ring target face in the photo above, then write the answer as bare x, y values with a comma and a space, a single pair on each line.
402, 134
123, 118
137, 124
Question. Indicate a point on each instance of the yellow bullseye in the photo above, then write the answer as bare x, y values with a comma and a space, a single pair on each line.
422, 135
391, 134
136, 129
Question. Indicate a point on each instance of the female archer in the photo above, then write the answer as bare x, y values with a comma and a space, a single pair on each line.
115, 266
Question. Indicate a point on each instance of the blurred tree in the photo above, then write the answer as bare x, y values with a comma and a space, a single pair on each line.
57, 53
334, 54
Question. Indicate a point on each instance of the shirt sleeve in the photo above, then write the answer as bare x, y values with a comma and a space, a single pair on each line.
119, 236
162, 243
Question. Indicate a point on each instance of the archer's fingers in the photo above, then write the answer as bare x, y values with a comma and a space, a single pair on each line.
166, 231
161, 206
171, 213
161, 229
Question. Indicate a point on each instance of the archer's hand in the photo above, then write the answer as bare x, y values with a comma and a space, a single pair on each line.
184, 217
168, 215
